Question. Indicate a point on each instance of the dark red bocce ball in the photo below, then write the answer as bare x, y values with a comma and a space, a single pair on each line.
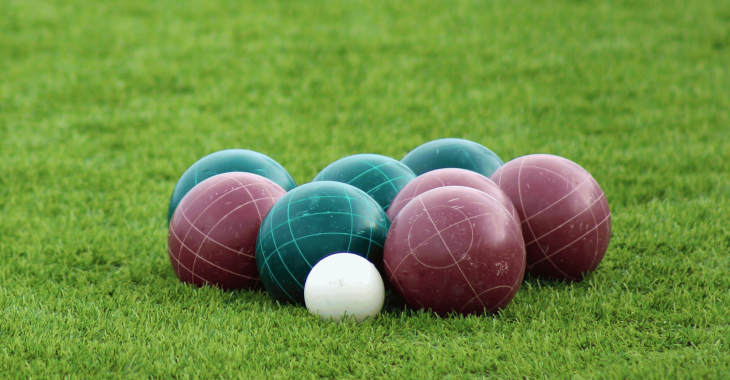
213, 231
448, 177
565, 218
455, 249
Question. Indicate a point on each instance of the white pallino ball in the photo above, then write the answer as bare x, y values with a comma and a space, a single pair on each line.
344, 284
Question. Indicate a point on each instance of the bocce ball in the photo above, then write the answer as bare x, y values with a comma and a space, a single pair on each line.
455, 249
448, 177
225, 161
378, 176
452, 153
313, 221
565, 218
212, 236
344, 288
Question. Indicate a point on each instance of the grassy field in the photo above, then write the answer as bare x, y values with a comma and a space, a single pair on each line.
103, 105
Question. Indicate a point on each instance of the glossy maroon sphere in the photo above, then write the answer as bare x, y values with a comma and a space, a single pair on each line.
448, 177
455, 249
565, 218
212, 238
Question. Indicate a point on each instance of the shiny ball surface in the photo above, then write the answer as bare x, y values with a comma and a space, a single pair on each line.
378, 176
225, 161
455, 249
212, 234
566, 222
448, 177
311, 222
344, 288
452, 153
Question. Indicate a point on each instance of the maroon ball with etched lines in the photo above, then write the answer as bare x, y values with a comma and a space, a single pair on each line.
448, 177
455, 249
212, 238
564, 213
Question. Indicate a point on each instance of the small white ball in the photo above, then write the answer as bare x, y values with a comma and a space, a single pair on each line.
344, 284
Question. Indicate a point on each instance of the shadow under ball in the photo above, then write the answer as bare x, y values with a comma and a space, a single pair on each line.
566, 222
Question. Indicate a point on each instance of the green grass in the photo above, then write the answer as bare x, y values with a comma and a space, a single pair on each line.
103, 105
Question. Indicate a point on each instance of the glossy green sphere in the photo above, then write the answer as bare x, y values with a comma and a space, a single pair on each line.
226, 161
452, 153
378, 176
311, 222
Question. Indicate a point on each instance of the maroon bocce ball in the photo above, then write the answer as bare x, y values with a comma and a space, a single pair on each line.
448, 177
213, 231
565, 218
455, 249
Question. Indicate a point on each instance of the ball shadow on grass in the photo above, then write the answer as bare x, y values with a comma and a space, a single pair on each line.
397, 306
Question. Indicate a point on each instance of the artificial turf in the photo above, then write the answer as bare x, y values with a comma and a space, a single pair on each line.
103, 105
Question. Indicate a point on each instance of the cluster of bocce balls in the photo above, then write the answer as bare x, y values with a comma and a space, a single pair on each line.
450, 228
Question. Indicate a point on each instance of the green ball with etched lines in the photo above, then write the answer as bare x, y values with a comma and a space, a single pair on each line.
227, 161
378, 176
311, 222
452, 153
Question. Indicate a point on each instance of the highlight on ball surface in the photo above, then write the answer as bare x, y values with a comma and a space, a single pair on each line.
378, 176
311, 222
452, 153
344, 288
212, 234
455, 249
566, 222
227, 161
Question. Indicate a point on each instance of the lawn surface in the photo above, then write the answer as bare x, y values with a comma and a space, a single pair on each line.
104, 104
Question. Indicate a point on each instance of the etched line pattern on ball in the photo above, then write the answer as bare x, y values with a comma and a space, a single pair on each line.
206, 236
425, 241
272, 228
276, 250
418, 186
188, 231
196, 253
352, 220
271, 234
261, 218
574, 190
450, 253
573, 242
288, 222
240, 252
470, 219
387, 180
438, 233
567, 221
377, 168
177, 259
522, 204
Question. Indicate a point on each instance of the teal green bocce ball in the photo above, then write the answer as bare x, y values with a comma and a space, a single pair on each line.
226, 161
378, 176
452, 153
311, 222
